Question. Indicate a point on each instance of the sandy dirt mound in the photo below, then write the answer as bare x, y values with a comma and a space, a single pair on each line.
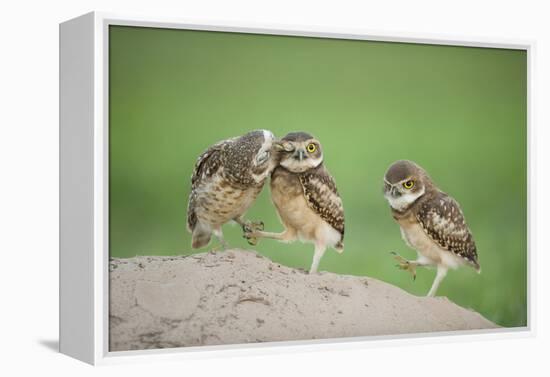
239, 296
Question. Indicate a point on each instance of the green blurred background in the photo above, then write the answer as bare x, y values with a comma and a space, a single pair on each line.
459, 112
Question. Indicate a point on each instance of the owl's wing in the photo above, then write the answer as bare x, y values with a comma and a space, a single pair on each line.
323, 198
208, 163
443, 221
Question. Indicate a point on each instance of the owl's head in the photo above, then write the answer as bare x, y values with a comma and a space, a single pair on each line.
299, 152
404, 183
255, 149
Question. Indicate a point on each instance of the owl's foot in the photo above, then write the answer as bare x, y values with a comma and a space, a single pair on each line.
405, 264
249, 231
251, 236
251, 226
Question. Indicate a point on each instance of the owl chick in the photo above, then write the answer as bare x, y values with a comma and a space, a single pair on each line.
431, 222
227, 178
305, 197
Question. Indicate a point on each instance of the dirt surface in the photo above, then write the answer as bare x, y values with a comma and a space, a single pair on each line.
239, 296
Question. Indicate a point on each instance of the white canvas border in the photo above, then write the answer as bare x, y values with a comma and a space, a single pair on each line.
102, 21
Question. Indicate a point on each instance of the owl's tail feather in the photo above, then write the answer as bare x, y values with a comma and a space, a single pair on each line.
200, 237
476, 266
339, 247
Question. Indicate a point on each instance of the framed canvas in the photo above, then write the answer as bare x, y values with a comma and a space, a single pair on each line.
243, 189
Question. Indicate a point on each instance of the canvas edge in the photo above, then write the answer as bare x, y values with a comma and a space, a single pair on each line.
76, 190
101, 22
531, 190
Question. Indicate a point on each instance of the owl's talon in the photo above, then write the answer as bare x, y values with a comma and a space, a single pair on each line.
250, 226
250, 237
405, 264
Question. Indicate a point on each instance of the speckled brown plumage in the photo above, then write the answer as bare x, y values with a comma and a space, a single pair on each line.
208, 164
322, 196
306, 197
431, 222
443, 221
227, 178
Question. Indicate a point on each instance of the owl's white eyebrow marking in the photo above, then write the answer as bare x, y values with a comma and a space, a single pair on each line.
405, 180
391, 184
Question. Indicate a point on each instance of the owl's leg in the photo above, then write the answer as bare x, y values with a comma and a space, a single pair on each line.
317, 255
219, 235
441, 272
252, 236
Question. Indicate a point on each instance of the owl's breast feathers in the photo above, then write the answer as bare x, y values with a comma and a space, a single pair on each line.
443, 221
322, 197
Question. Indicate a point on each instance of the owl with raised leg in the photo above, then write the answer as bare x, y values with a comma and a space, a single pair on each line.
227, 178
305, 197
431, 222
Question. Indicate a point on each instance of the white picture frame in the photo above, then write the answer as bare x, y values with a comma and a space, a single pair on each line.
84, 158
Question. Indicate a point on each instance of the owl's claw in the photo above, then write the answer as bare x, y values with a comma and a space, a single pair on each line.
405, 264
251, 237
249, 230
252, 226
252, 241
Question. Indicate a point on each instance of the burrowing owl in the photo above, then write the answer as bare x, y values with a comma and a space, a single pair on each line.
227, 178
305, 196
431, 222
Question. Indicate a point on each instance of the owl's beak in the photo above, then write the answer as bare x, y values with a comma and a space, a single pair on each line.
299, 154
395, 192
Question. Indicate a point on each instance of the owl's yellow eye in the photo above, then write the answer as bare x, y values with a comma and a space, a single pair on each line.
409, 184
311, 148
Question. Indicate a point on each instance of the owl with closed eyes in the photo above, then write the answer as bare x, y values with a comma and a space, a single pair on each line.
305, 196
227, 178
